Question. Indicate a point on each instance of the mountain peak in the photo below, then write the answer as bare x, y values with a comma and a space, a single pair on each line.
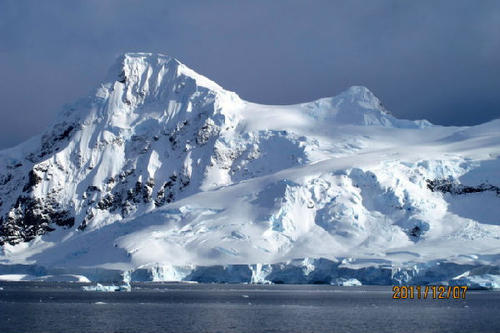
361, 95
134, 68
358, 90
164, 168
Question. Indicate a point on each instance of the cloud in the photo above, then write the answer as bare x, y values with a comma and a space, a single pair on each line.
424, 59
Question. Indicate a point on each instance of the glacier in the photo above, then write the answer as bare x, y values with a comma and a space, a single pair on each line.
162, 175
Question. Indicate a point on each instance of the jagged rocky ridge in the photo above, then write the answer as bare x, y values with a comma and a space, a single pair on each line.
105, 149
163, 167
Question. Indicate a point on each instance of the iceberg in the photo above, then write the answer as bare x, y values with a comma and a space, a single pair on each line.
108, 288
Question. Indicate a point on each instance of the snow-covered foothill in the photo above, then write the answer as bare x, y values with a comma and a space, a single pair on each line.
478, 279
162, 175
16, 277
63, 278
486, 281
45, 278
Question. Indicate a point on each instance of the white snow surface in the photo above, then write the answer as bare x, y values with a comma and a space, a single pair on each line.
173, 178
46, 278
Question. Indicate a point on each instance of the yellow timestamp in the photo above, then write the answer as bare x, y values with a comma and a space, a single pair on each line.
431, 292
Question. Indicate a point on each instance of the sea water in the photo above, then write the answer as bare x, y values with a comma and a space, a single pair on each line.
170, 307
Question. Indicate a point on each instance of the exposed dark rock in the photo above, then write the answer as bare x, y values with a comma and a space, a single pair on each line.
416, 231
122, 78
65, 134
126, 199
108, 202
206, 132
165, 194
449, 186
17, 165
59, 133
147, 190
140, 144
5, 179
185, 182
30, 217
127, 207
33, 180
92, 188
124, 174
88, 217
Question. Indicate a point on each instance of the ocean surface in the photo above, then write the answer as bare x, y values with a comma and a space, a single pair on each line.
34, 307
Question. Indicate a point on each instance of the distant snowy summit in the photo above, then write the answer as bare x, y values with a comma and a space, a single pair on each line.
164, 175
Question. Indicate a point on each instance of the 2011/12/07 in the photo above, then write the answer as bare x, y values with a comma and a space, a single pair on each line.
424, 292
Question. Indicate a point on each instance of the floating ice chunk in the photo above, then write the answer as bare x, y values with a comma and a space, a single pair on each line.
111, 288
102, 288
346, 282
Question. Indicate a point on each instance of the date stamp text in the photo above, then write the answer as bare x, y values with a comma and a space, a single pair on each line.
431, 292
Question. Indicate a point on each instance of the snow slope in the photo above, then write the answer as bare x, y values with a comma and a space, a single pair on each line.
164, 175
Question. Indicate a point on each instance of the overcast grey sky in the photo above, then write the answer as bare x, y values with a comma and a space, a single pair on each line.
438, 60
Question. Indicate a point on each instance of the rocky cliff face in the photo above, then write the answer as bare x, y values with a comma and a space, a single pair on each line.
132, 145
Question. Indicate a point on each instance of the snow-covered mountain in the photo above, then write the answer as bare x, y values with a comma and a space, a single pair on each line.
164, 175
